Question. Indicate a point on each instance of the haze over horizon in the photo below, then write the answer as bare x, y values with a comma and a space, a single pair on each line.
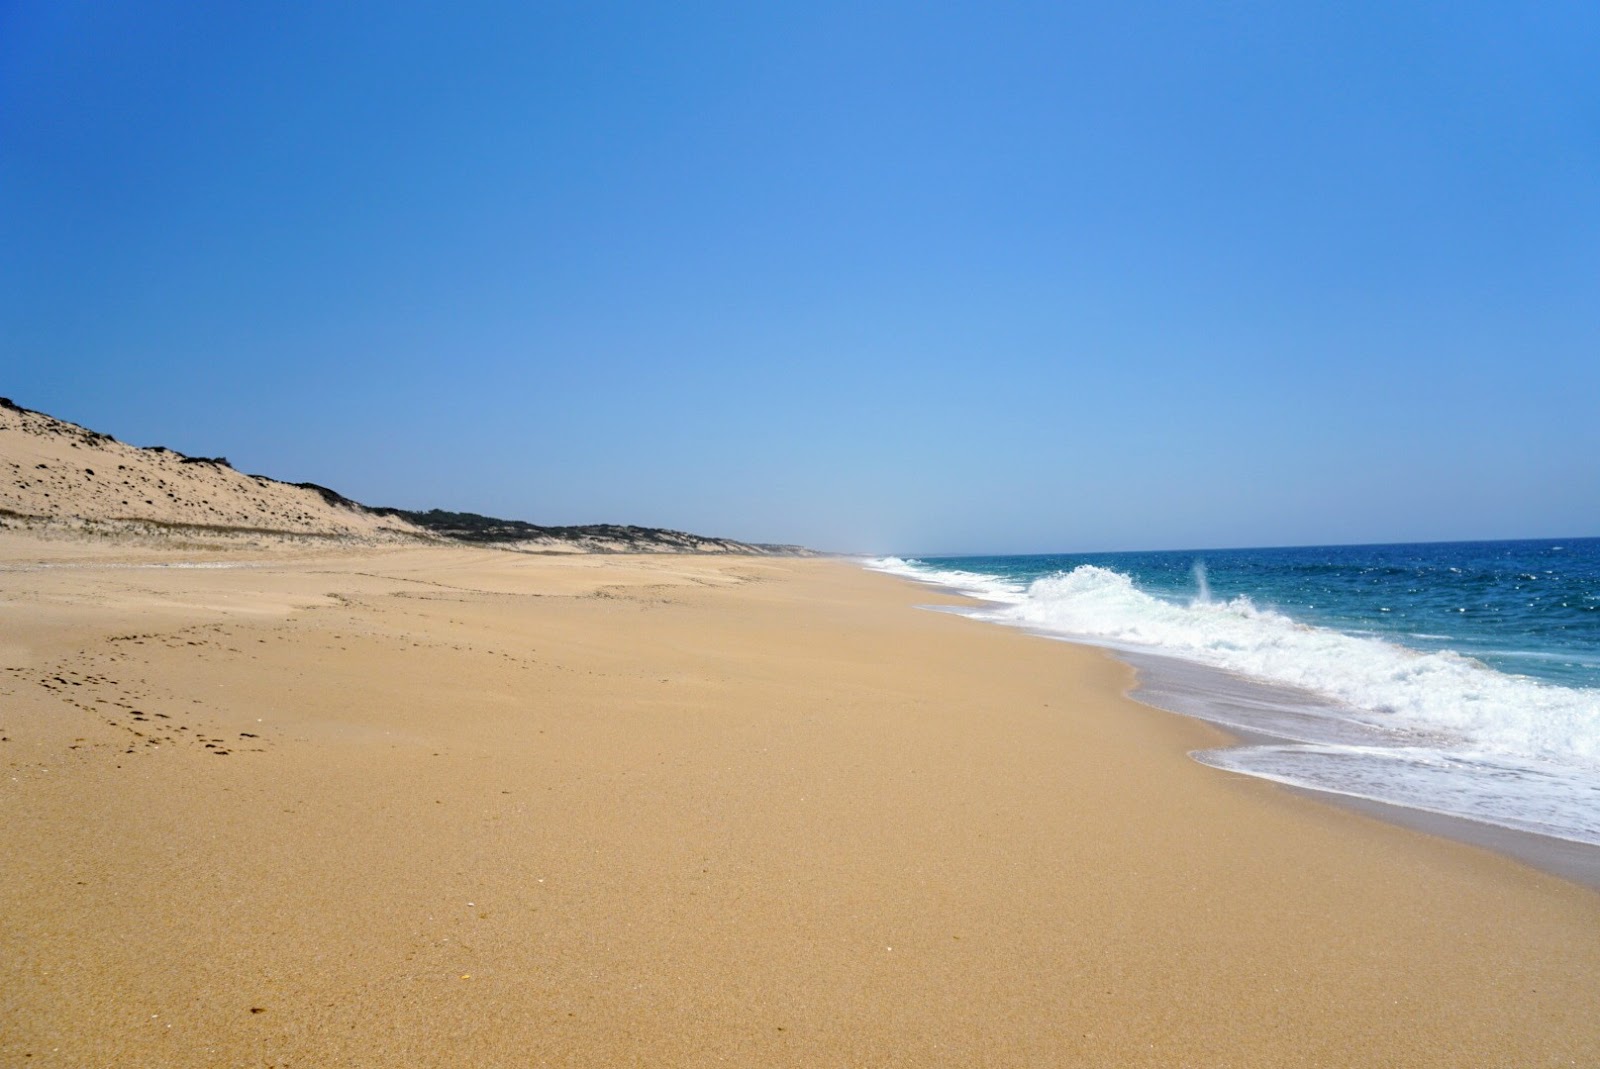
898, 279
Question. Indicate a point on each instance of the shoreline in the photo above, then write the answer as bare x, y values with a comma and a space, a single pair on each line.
1190, 690
474, 806
1161, 686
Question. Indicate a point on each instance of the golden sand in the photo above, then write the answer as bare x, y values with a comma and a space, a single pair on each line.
410, 807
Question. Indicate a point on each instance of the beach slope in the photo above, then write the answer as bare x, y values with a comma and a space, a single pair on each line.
447, 806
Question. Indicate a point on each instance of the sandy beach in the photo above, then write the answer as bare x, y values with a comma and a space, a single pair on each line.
410, 806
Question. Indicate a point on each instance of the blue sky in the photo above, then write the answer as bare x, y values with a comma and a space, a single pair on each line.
895, 277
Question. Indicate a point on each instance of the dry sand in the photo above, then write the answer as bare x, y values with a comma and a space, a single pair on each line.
411, 807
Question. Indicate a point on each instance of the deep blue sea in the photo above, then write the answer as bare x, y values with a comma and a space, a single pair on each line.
1461, 678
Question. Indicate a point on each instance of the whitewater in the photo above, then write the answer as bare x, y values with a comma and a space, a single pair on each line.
1454, 679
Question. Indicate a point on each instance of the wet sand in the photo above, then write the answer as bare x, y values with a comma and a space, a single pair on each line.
443, 807
1229, 701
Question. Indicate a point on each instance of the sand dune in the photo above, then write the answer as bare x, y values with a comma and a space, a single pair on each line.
58, 474
62, 479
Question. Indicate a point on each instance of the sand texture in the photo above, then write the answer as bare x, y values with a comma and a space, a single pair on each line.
457, 807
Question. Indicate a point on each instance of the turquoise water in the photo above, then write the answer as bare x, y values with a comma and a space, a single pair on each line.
1462, 678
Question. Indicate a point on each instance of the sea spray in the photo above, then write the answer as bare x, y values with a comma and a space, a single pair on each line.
1202, 587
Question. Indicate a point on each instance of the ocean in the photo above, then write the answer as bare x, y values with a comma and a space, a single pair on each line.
1456, 678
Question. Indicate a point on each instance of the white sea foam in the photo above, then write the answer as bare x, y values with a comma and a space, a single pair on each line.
1451, 733
1383, 684
1526, 795
977, 584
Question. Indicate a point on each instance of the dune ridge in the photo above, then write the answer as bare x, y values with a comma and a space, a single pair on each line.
66, 477
69, 481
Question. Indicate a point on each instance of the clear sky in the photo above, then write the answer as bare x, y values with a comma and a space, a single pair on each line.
880, 277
